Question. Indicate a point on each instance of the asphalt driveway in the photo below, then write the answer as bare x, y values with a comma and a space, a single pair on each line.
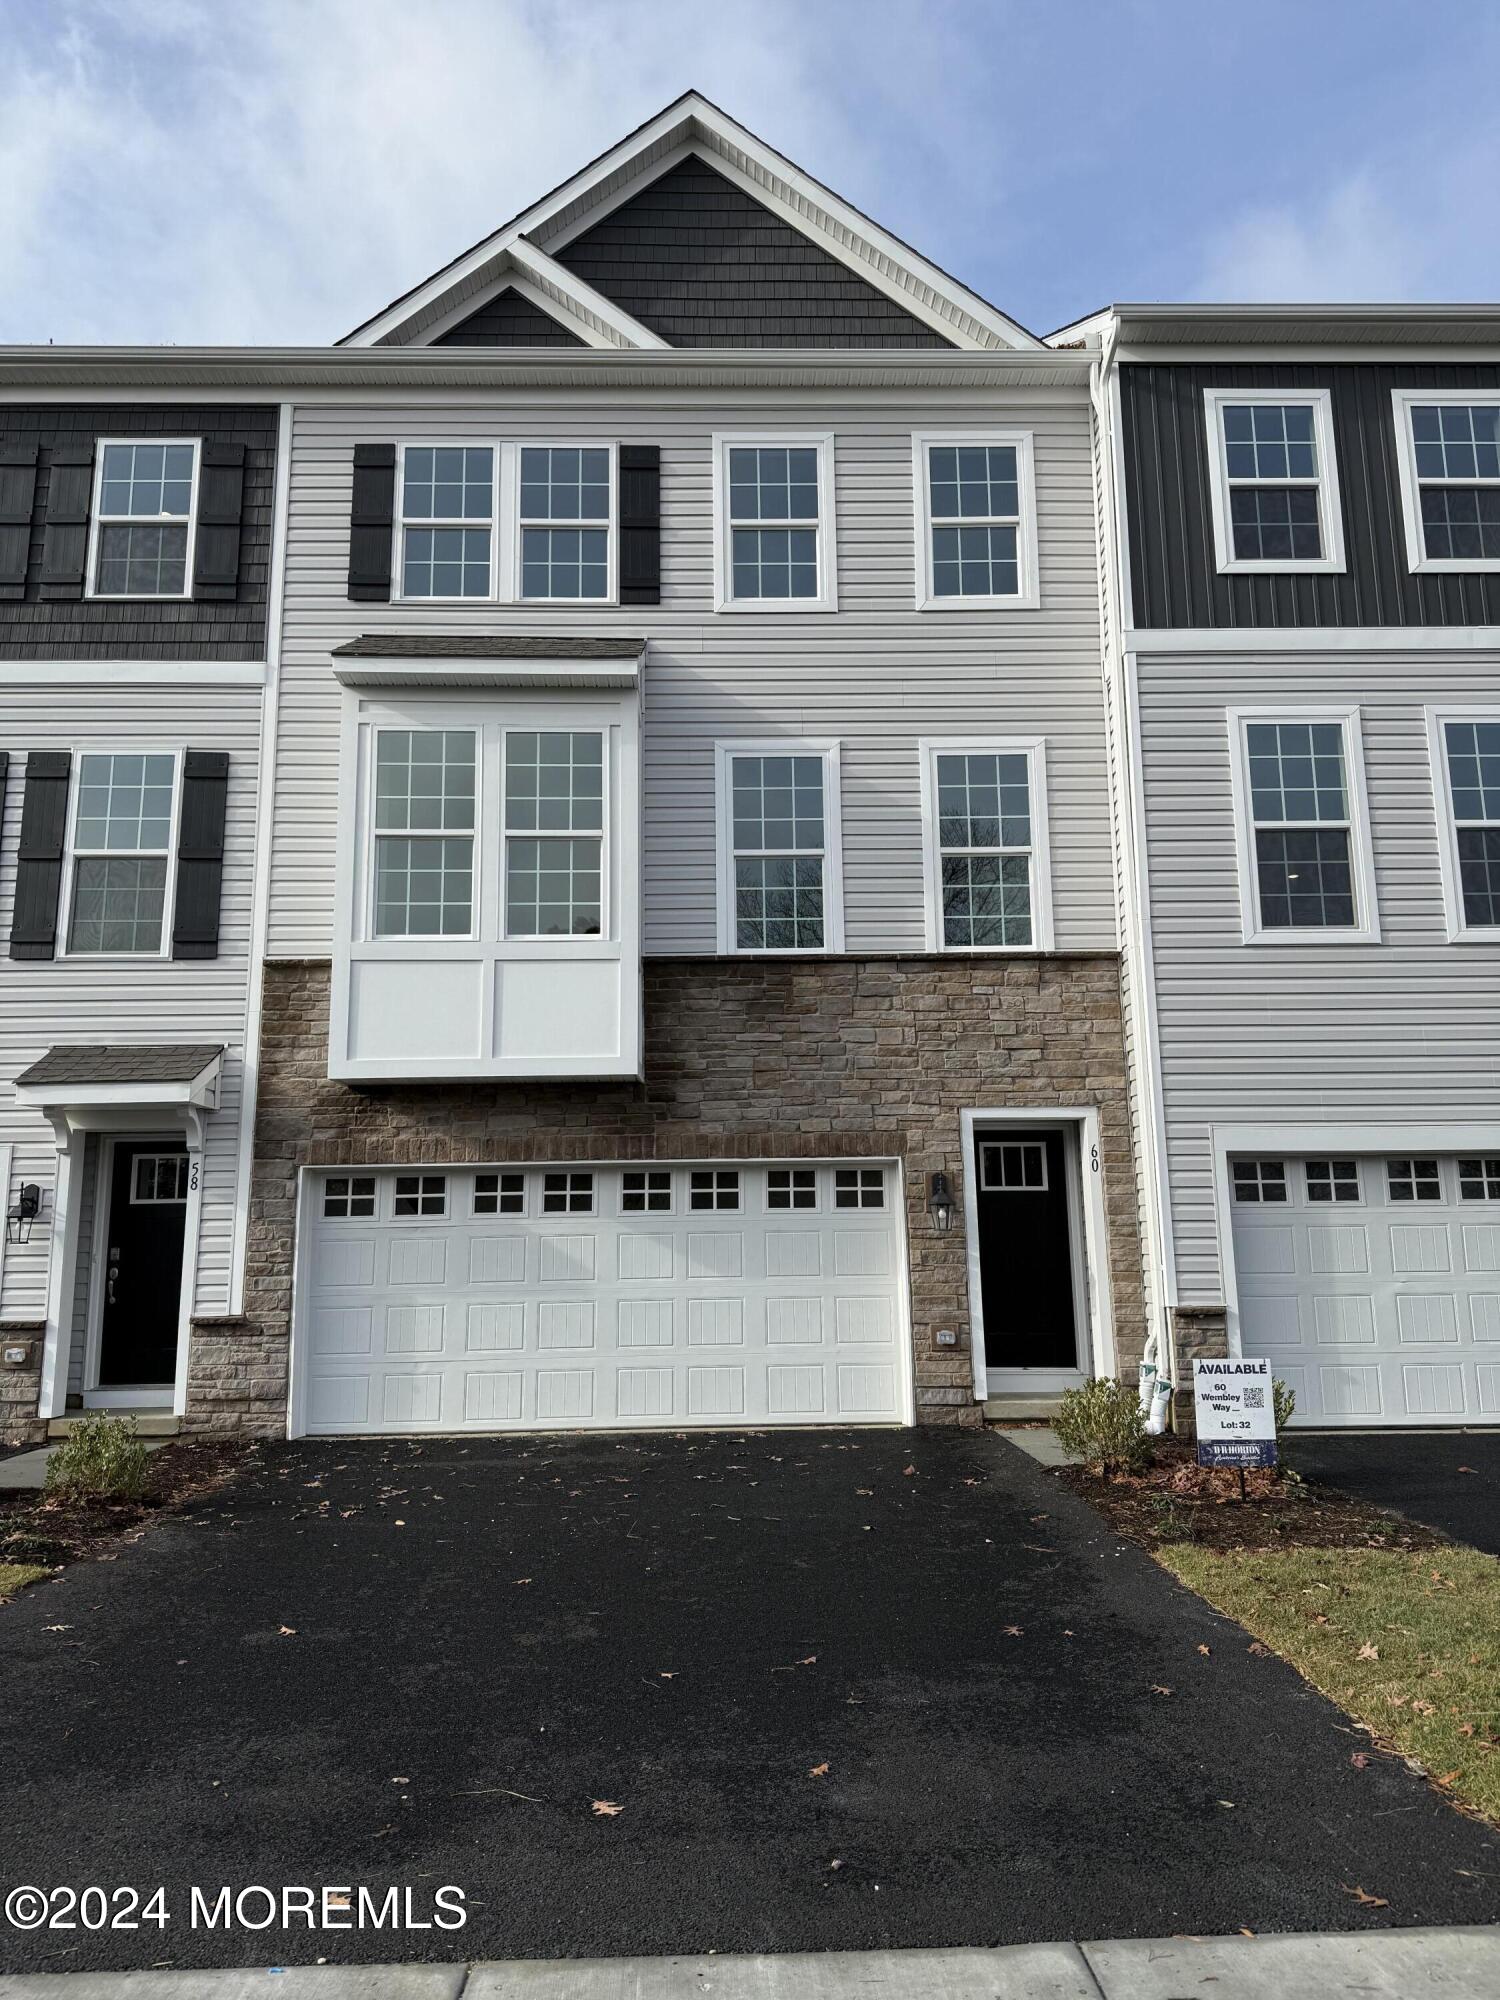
847, 1690
1449, 1479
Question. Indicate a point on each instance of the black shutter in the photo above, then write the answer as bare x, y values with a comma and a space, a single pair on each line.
39, 861
370, 522
65, 541
200, 854
221, 497
640, 524
17, 495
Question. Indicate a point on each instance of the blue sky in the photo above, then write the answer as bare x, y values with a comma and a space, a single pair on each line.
276, 170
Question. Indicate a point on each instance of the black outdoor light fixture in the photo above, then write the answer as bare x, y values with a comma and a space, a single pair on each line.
19, 1219
940, 1204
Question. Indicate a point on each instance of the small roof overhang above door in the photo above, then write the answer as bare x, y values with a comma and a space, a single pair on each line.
400, 660
93, 1085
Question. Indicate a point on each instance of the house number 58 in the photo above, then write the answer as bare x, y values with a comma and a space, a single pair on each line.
193, 1176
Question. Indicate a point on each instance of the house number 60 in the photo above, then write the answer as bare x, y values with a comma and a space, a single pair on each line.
1093, 1159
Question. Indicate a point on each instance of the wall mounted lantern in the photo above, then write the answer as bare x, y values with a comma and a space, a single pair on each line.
19, 1219
940, 1204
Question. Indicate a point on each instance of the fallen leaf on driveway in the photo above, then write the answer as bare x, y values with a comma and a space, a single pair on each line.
1360, 1760
1206, 1651
818, 1771
1013, 1631
1363, 1896
1157, 1688
287, 1631
401, 1781
1368, 1652
57, 1628
522, 1579
810, 1661
908, 1471
1257, 1648
666, 1677
606, 1808
1465, 1468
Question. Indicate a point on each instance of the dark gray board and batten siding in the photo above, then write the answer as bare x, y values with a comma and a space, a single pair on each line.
38, 625
1174, 578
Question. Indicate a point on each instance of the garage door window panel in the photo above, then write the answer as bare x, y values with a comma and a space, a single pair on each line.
859, 1187
1410, 1179
420, 1194
1332, 1181
349, 1198
792, 1188
1259, 1181
646, 1191
1304, 840
713, 1188
1479, 1180
568, 1194
500, 1194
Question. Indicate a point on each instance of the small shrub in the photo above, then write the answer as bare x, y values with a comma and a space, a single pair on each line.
1101, 1423
101, 1458
1283, 1404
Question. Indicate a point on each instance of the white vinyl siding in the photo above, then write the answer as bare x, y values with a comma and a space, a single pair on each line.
1402, 1031
876, 678
135, 999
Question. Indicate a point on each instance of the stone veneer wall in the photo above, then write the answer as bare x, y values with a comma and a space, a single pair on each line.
1199, 1333
745, 1059
20, 1388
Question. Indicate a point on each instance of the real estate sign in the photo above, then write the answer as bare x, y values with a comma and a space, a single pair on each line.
1236, 1413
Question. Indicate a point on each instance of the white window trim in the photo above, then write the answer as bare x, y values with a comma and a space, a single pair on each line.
505, 519
1027, 596
827, 598
1459, 931
373, 835
1366, 927
1330, 506
96, 522
1034, 749
1403, 402
508, 834
833, 842
62, 948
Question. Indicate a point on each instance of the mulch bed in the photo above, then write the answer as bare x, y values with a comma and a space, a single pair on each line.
34, 1529
1176, 1500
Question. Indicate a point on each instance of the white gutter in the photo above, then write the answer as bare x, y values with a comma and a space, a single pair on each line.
1158, 1249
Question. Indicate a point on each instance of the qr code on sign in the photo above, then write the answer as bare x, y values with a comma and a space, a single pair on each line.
1255, 1397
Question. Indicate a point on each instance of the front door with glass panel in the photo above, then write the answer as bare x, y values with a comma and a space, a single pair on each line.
143, 1220
1027, 1268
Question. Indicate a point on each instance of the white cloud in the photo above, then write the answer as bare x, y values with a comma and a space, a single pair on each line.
1352, 243
275, 170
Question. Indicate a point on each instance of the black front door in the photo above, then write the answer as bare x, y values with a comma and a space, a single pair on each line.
1025, 1254
143, 1228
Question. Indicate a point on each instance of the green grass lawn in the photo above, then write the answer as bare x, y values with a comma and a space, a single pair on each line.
16, 1576
1407, 1641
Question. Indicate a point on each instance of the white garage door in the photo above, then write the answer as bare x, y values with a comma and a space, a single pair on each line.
569, 1298
1372, 1285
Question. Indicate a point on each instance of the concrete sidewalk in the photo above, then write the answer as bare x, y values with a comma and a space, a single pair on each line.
1458, 1964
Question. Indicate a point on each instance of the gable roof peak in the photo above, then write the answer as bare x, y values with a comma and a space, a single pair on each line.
691, 124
